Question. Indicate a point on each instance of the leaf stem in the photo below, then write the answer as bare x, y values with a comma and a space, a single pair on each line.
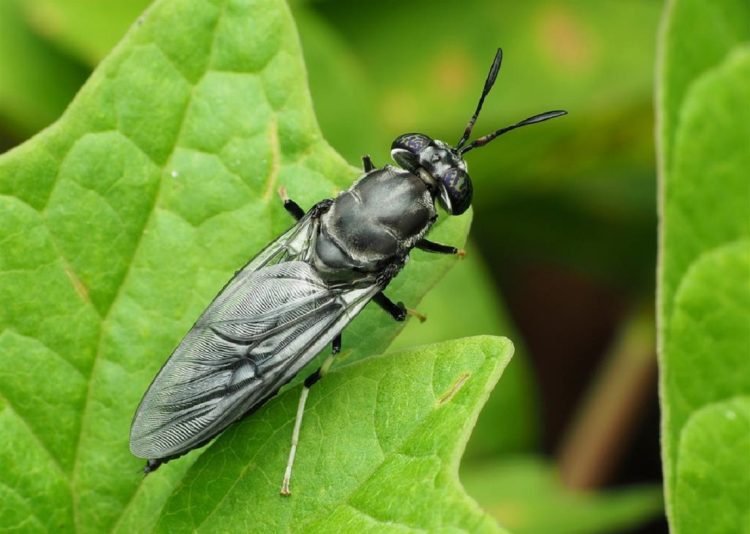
610, 413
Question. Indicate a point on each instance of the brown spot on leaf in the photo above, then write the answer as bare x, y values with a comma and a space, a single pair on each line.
273, 172
457, 385
80, 288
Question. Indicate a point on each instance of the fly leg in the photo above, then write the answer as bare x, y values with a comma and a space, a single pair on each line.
309, 381
367, 163
297, 212
396, 310
431, 246
290, 205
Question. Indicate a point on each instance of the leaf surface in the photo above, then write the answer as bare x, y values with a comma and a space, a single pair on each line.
379, 451
704, 274
118, 225
696, 36
465, 303
526, 495
708, 478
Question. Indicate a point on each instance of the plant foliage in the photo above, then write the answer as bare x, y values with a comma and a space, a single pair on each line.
704, 274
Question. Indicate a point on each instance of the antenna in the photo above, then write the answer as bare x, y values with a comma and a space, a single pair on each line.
531, 120
488, 83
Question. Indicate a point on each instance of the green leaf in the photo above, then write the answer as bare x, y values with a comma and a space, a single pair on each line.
512, 406
349, 120
28, 101
567, 55
705, 197
120, 222
527, 497
707, 337
696, 36
704, 276
709, 479
87, 29
544, 44
587, 57
379, 451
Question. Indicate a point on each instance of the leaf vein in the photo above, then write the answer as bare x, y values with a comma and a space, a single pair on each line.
32, 432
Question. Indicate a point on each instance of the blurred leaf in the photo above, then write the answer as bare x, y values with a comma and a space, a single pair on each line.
466, 303
704, 277
526, 497
341, 93
427, 63
119, 223
572, 224
87, 29
394, 470
36, 81
453, 47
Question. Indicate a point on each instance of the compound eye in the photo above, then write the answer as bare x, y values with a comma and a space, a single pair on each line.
412, 142
406, 148
457, 187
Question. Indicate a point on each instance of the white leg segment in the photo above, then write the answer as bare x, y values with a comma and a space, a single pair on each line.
295, 439
297, 424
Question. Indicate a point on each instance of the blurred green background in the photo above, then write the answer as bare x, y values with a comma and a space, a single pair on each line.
562, 257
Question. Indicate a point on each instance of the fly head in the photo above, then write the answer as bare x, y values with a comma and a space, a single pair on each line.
442, 166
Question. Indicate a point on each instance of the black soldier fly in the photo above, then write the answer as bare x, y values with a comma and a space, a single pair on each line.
297, 295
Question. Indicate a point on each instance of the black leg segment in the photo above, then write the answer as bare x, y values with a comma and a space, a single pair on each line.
297, 212
293, 209
397, 311
290, 205
313, 378
152, 465
320, 371
367, 163
431, 246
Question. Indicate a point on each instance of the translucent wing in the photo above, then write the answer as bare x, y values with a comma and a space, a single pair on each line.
271, 319
294, 244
